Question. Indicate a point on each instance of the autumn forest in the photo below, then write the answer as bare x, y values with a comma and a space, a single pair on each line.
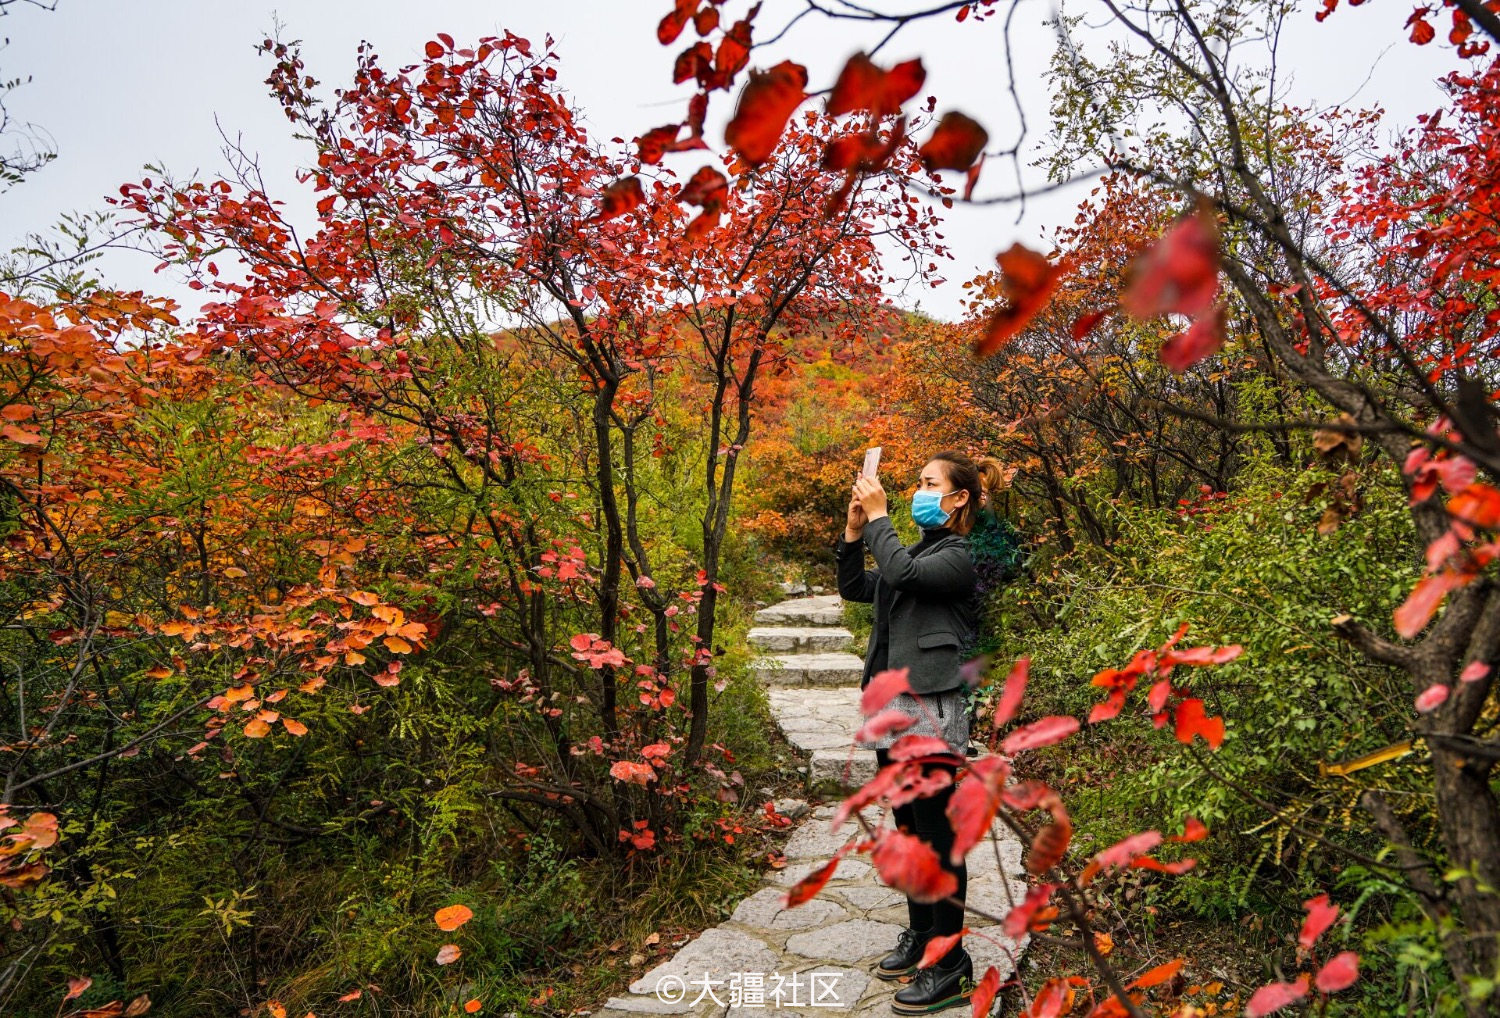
373, 623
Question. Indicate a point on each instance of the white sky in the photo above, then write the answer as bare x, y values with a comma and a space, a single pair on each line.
122, 83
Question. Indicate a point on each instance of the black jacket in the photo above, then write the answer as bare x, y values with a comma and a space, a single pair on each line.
929, 598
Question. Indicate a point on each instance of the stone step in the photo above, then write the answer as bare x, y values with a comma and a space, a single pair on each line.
827, 767
800, 639
810, 669
823, 610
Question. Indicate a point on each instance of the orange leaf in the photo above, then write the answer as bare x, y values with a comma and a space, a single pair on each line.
955, 144
452, 917
766, 103
257, 729
1193, 830
17, 411
1192, 720
296, 728
22, 436
76, 986
1028, 281
472, 1006
396, 645
1159, 974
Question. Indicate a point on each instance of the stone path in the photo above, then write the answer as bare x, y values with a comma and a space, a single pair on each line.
770, 962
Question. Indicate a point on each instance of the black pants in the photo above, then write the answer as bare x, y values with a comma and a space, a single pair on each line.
927, 819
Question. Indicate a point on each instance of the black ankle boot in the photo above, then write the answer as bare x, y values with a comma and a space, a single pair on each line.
937, 987
903, 960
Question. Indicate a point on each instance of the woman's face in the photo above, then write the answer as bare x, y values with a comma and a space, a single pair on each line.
934, 478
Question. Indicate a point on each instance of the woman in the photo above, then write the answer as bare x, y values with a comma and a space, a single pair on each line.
925, 614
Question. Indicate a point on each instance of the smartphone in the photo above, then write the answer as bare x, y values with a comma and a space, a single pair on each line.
872, 463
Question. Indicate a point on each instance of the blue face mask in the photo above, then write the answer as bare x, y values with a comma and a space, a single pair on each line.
927, 509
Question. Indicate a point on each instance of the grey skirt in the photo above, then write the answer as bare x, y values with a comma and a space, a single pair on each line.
949, 719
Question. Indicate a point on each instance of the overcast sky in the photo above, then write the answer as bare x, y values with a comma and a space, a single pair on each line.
121, 83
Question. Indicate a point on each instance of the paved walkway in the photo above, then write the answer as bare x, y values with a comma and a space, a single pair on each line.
770, 962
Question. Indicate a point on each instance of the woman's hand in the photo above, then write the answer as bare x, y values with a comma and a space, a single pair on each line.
871, 497
854, 525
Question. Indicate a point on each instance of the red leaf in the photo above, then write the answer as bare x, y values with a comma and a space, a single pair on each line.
672, 25
1422, 602
1121, 852
702, 223
1204, 338
1045, 732
766, 103
808, 887
1432, 698
984, 993
955, 144
1087, 323
1193, 830
908, 864
707, 188
1157, 975
882, 688
1422, 31
974, 803
1339, 974
910, 746
656, 142
697, 61
434, 50
1275, 996
619, 198
76, 986
734, 52
706, 20
1049, 845
1032, 913
1202, 655
883, 724
1176, 869
1180, 272
1474, 671
1010, 695
1477, 505
863, 86
1028, 280
1051, 1001
1320, 916
939, 946
1191, 721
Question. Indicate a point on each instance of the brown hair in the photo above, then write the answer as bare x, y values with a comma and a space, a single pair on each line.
991, 477
962, 473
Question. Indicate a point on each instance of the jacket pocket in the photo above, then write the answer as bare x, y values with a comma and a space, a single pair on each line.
929, 640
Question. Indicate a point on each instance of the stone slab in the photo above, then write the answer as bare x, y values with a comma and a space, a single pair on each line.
799, 639
848, 941
714, 954
849, 869
828, 765
822, 610
826, 668
762, 910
